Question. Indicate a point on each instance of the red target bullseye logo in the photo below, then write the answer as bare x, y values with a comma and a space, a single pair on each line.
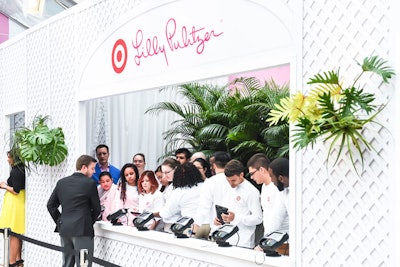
119, 56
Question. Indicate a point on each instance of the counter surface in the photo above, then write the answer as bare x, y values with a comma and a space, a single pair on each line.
125, 245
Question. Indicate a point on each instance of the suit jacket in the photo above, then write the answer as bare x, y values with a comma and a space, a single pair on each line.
80, 204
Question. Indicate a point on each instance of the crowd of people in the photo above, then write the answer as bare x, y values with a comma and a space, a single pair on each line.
190, 185
184, 185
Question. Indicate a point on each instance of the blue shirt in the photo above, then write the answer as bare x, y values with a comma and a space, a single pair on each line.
113, 171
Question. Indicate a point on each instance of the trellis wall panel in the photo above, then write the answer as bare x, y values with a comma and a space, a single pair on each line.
342, 219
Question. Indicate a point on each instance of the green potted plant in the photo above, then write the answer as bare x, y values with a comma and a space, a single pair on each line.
333, 112
227, 118
39, 145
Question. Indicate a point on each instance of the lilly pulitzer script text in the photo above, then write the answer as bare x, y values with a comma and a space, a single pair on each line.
176, 38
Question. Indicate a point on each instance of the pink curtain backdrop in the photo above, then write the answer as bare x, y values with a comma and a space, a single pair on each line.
4, 28
280, 75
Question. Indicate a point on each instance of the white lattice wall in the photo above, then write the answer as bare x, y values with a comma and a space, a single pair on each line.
342, 219
345, 218
125, 254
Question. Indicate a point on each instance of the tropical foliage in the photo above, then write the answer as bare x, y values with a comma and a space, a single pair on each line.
227, 118
333, 112
40, 144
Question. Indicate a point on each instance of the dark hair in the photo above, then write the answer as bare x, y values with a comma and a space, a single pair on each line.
280, 166
186, 175
16, 160
162, 188
171, 162
139, 154
122, 180
233, 167
84, 160
205, 166
153, 181
258, 160
101, 146
221, 158
158, 169
104, 173
185, 151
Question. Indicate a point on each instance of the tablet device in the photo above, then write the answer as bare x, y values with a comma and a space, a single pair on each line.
220, 209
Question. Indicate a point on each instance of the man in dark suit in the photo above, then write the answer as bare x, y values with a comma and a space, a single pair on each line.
80, 204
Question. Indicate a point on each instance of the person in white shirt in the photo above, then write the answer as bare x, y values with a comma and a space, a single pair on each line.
212, 193
183, 201
168, 168
279, 219
279, 172
243, 203
150, 198
258, 166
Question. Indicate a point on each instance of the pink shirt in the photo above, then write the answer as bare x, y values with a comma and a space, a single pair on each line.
131, 203
106, 200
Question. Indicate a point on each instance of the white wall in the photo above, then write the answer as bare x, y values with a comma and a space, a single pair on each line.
337, 218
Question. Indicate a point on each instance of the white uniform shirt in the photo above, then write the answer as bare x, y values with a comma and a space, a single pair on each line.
280, 216
182, 202
151, 202
269, 194
213, 192
244, 201
167, 191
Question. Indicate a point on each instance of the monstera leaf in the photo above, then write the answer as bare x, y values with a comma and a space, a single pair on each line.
40, 145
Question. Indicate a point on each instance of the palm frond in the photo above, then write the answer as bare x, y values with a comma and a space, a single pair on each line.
251, 145
331, 77
245, 86
280, 112
213, 130
276, 136
332, 88
213, 118
165, 106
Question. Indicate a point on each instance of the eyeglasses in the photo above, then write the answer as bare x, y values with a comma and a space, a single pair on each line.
252, 173
167, 171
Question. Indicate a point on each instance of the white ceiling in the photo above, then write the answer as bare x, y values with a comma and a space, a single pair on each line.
16, 10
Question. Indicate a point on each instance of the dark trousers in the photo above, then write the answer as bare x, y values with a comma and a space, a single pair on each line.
77, 243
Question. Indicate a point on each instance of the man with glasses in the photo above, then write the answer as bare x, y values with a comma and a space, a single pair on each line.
258, 166
102, 154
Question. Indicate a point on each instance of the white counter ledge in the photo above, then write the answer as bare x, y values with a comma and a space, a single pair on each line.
126, 246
